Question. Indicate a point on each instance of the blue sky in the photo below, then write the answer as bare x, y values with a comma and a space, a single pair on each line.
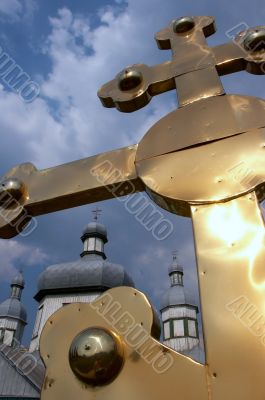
70, 48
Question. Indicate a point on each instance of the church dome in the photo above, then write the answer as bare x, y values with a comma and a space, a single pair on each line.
13, 308
95, 229
175, 295
18, 280
174, 267
91, 272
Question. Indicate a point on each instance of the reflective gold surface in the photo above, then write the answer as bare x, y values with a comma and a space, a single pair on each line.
215, 172
96, 356
230, 250
161, 164
229, 241
85, 181
191, 54
183, 24
150, 370
200, 123
196, 162
14, 188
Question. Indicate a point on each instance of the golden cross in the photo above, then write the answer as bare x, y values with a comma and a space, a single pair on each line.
27, 192
204, 160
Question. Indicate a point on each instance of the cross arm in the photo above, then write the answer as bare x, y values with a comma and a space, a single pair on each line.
194, 69
134, 87
245, 52
26, 192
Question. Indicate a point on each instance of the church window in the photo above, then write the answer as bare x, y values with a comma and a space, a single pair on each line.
192, 328
99, 245
8, 337
38, 322
178, 328
1, 335
176, 279
91, 244
166, 330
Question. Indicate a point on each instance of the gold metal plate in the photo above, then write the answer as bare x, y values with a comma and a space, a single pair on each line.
85, 181
200, 123
211, 150
230, 250
194, 72
150, 370
211, 173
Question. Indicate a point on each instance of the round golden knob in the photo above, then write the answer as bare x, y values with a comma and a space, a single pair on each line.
130, 79
255, 41
11, 189
96, 356
183, 24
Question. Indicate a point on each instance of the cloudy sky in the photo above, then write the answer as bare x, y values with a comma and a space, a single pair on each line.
70, 48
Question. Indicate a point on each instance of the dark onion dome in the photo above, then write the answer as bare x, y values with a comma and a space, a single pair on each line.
12, 307
92, 272
94, 228
176, 294
175, 267
18, 280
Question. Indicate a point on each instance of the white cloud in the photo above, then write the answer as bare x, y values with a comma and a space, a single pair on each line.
13, 252
81, 63
10, 7
16, 9
69, 122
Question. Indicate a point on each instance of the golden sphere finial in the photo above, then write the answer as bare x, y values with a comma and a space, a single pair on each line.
96, 356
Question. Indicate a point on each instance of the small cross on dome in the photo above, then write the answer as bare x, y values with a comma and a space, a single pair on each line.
97, 212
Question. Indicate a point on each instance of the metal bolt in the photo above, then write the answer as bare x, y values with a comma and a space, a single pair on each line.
255, 41
96, 356
183, 24
130, 79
